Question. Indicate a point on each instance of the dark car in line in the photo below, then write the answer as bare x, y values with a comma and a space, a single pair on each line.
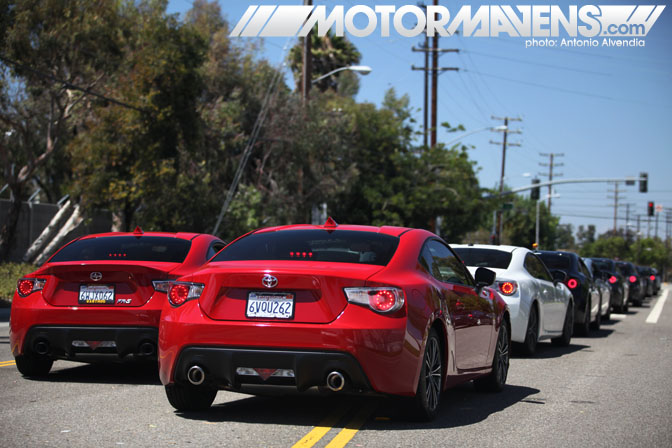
618, 283
649, 280
580, 282
637, 286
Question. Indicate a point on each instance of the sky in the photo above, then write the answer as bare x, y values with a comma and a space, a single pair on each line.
607, 110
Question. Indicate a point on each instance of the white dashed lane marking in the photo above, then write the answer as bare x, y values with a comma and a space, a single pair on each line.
654, 315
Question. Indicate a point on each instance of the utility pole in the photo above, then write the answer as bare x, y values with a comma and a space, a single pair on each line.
307, 69
550, 166
498, 227
434, 71
616, 198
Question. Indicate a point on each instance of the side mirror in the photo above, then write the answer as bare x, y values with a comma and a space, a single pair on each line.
559, 276
484, 277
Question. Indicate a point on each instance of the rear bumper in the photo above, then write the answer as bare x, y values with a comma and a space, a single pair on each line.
308, 368
374, 352
29, 313
92, 343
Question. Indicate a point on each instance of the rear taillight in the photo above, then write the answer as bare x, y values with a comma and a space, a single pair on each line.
507, 288
26, 286
380, 299
181, 292
572, 283
632, 279
653, 277
613, 279
162, 285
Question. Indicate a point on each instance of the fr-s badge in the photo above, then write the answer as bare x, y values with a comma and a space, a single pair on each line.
123, 301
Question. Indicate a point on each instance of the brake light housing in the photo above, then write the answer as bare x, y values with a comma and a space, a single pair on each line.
613, 279
632, 279
181, 292
27, 286
653, 278
572, 283
507, 288
380, 299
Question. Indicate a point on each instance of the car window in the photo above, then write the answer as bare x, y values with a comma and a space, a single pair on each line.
340, 246
554, 260
129, 248
213, 249
442, 263
584, 270
536, 268
489, 258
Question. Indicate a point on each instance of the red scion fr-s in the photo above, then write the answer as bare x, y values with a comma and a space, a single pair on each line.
387, 310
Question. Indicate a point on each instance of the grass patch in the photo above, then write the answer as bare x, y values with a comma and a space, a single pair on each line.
9, 274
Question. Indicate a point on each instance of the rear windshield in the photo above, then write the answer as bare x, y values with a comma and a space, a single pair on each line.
603, 265
340, 246
626, 268
555, 261
131, 248
488, 258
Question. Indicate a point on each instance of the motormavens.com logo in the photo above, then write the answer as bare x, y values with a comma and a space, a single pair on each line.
529, 21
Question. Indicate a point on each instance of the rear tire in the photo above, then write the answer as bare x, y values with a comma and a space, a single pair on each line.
34, 366
598, 319
190, 398
529, 346
567, 328
428, 394
496, 379
583, 328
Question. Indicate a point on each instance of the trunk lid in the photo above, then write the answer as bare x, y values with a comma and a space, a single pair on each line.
235, 291
96, 284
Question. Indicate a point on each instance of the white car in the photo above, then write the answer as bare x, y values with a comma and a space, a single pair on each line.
540, 305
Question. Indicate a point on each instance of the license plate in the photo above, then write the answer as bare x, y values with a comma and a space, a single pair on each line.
96, 295
270, 305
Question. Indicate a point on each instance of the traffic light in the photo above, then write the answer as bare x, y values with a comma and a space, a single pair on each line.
535, 193
643, 183
651, 209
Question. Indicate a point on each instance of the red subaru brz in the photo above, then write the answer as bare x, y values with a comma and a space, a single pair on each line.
387, 310
100, 297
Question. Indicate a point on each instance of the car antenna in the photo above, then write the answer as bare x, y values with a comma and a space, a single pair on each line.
330, 223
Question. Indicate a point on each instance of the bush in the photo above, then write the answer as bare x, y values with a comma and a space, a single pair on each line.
9, 274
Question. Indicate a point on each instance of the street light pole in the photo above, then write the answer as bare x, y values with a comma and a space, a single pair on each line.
363, 69
307, 69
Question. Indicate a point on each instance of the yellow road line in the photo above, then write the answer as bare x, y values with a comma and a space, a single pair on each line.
322, 428
347, 433
7, 363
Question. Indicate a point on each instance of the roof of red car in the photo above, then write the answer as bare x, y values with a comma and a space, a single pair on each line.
387, 230
181, 235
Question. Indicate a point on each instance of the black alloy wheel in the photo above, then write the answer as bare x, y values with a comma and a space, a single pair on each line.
583, 328
428, 394
598, 319
496, 379
532, 332
567, 328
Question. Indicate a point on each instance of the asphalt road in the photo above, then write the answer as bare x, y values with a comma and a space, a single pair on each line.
613, 389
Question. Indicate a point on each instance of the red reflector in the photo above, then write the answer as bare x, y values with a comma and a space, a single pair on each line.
613, 279
24, 287
632, 279
572, 283
265, 373
178, 294
382, 300
507, 288
653, 277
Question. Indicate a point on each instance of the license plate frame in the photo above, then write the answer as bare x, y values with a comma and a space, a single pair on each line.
270, 305
108, 294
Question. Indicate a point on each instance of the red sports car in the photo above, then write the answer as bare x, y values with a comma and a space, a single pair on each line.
388, 310
100, 297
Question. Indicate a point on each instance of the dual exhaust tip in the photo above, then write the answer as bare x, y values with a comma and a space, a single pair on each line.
335, 380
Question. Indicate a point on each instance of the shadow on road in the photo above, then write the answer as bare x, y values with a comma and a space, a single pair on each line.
461, 406
106, 373
548, 351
